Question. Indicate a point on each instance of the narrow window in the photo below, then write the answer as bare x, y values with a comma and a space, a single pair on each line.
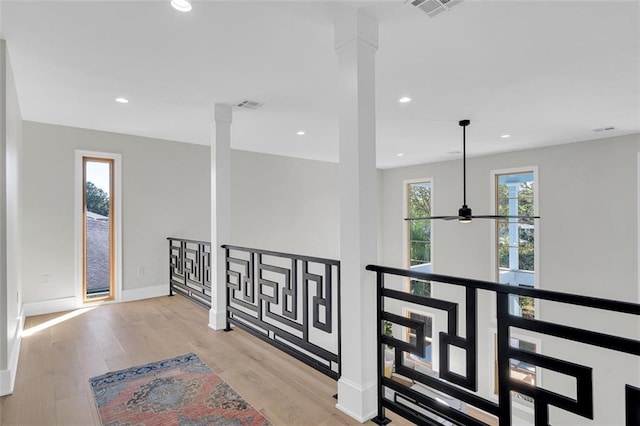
515, 238
98, 260
418, 204
516, 259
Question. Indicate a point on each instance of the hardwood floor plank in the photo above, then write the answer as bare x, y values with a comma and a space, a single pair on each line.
56, 363
76, 411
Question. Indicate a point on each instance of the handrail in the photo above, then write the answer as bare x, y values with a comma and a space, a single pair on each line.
188, 241
285, 255
588, 301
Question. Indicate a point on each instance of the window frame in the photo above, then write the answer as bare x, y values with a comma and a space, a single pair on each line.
494, 252
79, 224
406, 244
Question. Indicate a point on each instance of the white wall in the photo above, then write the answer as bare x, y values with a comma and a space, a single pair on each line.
10, 280
165, 192
285, 204
587, 245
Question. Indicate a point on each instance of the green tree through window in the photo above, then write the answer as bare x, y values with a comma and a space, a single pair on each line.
419, 232
97, 200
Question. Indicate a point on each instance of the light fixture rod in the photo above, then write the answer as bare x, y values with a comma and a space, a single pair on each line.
464, 124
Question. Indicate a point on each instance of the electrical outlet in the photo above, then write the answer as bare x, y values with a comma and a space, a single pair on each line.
45, 278
140, 270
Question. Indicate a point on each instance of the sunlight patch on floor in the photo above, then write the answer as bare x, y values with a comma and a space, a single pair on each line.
55, 321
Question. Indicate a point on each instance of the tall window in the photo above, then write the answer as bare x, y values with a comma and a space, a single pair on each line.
99, 232
515, 238
419, 233
515, 259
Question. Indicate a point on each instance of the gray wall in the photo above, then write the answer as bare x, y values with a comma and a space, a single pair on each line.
10, 280
165, 192
588, 244
285, 204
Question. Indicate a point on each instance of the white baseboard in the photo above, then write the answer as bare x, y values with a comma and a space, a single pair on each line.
49, 306
145, 293
8, 377
71, 303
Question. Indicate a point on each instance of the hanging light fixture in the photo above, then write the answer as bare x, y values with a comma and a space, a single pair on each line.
465, 214
181, 5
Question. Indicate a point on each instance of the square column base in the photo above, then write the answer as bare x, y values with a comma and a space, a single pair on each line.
356, 401
217, 320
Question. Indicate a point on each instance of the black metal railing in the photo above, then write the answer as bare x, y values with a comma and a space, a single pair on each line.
190, 269
290, 301
413, 393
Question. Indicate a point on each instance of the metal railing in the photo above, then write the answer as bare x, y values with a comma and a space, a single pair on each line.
406, 396
288, 300
190, 269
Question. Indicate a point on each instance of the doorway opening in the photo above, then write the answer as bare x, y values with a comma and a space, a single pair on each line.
98, 239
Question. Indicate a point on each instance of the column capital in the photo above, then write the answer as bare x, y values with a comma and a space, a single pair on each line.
222, 112
355, 24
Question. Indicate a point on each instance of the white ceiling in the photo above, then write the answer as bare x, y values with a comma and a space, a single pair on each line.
546, 72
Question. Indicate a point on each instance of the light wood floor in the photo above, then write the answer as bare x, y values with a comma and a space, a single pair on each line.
52, 386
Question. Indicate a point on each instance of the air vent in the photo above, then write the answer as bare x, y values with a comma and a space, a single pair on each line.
433, 7
246, 104
604, 129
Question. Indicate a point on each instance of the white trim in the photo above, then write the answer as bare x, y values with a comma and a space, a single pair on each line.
78, 218
145, 293
71, 303
8, 377
405, 213
50, 306
638, 228
357, 397
536, 230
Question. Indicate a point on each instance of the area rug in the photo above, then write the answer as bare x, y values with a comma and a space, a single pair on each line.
177, 391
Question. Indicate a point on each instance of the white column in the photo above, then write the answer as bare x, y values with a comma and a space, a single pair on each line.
220, 211
356, 43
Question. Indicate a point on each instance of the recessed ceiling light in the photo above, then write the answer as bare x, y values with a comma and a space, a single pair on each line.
505, 136
400, 154
181, 5
404, 100
122, 100
300, 133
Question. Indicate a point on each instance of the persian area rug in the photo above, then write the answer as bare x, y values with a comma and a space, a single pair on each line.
177, 391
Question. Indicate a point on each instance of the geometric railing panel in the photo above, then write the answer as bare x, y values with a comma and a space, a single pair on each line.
426, 397
190, 269
288, 300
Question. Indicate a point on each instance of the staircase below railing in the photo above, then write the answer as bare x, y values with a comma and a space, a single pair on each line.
190, 269
434, 398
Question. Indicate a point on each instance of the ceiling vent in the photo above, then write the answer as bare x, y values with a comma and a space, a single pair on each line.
433, 7
246, 104
603, 129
